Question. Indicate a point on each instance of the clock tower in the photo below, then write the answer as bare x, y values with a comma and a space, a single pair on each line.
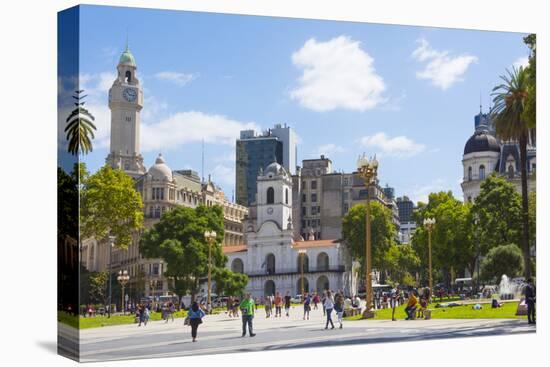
125, 103
274, 196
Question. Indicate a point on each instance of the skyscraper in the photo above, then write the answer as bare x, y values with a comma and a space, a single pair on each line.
257, 151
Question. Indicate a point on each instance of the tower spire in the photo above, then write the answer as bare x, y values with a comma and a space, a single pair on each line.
480, 104
127, 39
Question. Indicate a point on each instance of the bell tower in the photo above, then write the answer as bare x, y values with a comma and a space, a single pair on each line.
274, 196
125, 103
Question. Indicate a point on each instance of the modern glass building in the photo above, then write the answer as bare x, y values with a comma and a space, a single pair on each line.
254, 152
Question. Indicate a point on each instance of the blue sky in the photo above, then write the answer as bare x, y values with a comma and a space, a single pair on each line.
408, 94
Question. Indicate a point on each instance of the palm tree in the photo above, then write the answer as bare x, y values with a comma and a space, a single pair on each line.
509, 104
80, 128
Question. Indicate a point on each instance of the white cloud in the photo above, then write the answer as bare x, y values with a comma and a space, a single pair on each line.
440, 68
179, 79
336, 74
224, 175
399, 146
421, 193
328, 150
192, 126
521, 61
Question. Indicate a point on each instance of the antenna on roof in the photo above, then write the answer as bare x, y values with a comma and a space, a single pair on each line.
202, 162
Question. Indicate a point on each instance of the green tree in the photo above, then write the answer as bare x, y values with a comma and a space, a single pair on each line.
507, 115
110, 205
532, 219
505, 259
98, 287
229, 283
178, 239
383, 234
498, 210
530, 111
80, 128
453, 245
404, 263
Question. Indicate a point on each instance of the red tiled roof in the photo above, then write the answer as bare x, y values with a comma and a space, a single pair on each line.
233, 249
315, 243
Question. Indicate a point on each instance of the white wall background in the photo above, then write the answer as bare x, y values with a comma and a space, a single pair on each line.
28, 179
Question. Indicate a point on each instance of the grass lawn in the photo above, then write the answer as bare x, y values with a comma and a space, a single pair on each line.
507, 311
100, 321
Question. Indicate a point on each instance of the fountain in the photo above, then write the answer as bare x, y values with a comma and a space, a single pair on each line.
509, 289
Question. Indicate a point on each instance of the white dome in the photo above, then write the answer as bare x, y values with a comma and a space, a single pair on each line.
274, 168
160, 171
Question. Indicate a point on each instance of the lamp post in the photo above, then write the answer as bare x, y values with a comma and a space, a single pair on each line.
210, 237
111, 245
123, 278
367, 169
153, 284
302, 253
429, 224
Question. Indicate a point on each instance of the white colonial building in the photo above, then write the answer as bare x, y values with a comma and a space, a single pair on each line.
485, 154
272, 256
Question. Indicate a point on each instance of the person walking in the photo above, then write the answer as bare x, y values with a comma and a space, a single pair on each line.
278, 304
268, 303
316, 301
287, 303
530, 298
247, 311
394, 299
307, 305
339, 308
195, 319
328, 307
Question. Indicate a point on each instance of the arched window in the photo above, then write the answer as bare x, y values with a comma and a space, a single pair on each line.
128, 77
482, 172
470, 173
322, 284
270, 195
322, 261
286, 196
270, 264
237, 266
299, 286
269, 288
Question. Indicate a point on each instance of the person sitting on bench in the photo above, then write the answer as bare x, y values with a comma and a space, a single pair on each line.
411, 306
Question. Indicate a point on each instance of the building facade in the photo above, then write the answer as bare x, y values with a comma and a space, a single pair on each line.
485, 154
255, 151
161, 188
271, 257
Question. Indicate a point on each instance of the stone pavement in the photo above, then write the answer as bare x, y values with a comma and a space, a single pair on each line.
222, 334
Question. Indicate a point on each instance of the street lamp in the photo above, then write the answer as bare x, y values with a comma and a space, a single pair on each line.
210, 237
153, 284
111, 245
302, 254
123, 279
429, 224
367, 169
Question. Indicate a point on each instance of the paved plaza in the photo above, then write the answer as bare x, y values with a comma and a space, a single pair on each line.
222, 334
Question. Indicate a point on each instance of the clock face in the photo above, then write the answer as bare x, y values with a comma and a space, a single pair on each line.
270, 211
129, 94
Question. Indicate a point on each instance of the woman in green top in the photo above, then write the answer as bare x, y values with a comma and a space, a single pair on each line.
247, 310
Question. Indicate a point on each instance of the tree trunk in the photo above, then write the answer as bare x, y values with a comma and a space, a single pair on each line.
525, 206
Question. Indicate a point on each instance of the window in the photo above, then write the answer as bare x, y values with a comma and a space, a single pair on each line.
346, 208
157, 212
482, 172
270, 195
313, 210
345, 181
155, 269
304, 184
304, 210
304, 198
314, 185
313, 198
286, 196
128, 78
469, 173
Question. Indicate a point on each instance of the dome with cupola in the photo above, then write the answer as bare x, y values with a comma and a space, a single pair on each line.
127, 58
160, 170
482, 141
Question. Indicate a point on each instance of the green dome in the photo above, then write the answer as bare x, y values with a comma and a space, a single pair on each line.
127, 58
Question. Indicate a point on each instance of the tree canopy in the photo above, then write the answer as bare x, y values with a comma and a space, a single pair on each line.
110, 205
178, 239
504, 259
383, 234
229, 283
